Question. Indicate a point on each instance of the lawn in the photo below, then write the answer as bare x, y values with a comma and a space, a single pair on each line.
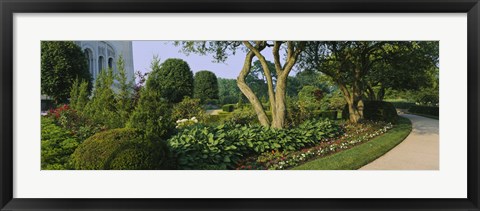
363, 154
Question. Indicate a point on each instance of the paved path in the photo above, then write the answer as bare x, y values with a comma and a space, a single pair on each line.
419, 151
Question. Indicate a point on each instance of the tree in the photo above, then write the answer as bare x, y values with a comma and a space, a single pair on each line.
406, 66
173, 79
62, 62
276, 92
125, 92
355, 65
205, 86
228, 91
102, 107
79, 95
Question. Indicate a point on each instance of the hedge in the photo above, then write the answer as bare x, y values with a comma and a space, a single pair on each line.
427, 110
119, 149
402, 105
228, 107
376, 111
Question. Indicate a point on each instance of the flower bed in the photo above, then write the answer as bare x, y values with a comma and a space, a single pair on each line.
278, 160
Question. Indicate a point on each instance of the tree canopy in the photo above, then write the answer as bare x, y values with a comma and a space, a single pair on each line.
205, 86
173, 79
62, 62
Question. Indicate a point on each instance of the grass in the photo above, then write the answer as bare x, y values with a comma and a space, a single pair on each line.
363, 154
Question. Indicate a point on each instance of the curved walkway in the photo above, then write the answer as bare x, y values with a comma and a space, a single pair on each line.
419, 151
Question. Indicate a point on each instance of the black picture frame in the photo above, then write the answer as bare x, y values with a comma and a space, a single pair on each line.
9, 7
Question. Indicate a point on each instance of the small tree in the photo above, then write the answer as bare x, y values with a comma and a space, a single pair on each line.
61, 63
102, 108
153, 114
79, 95
205, 86
173, 79
125, 89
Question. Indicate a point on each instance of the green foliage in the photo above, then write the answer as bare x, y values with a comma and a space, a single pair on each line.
428, 110
119, 149
428, 96
125, 93
333, 101
228, 107
102, 107
332, 115
228, 91
57, 145
205, 86
153, 115
376, 111
223, 146
242, 116
79, 95
173, 79
70, 120
402, 105
187, 109
62, 62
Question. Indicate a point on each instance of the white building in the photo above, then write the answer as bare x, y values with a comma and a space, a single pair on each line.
104, 54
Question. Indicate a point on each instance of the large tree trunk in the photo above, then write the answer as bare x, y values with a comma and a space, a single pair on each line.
242, 85
354, 101
280, 92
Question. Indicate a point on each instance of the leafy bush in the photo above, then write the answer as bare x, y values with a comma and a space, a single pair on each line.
228, 107
242, 116
326, 114
57, 145
223, 146
205, 86
173, 79
152, 115
428, 110
187, 109
78, 126
376, 111
120, 149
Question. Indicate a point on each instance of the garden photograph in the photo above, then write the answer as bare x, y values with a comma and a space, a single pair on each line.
239, 105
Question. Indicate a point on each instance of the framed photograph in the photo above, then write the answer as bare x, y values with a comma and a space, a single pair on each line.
214, 105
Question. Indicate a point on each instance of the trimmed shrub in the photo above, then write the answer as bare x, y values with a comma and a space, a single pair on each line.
376, 111
403, 105
223, 146
119, 149
228, 107
427, 110
173, 79
205, 86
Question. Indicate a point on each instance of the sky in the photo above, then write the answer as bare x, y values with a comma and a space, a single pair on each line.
143, 52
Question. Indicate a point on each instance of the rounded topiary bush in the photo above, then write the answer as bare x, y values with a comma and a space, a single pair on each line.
119, 149
376, 111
